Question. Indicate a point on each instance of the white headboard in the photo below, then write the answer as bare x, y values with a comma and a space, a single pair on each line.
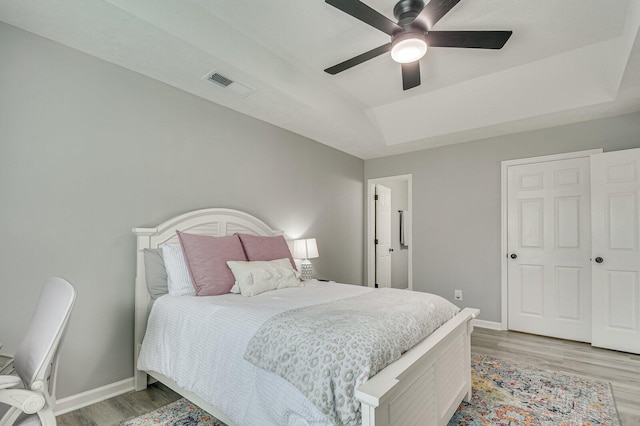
215, 222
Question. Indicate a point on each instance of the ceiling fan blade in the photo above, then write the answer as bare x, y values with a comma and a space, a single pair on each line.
468, 39
357, 60
433, 12
410, 75
361, 11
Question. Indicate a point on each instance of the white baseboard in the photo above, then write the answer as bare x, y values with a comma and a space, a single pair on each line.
492, 325
73, 402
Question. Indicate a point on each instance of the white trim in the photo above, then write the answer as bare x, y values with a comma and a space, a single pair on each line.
371, 183
491, 325
74, 402
553, 157
371, 263
503, 223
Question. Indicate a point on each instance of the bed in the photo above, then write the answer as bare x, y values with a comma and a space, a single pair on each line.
424, 386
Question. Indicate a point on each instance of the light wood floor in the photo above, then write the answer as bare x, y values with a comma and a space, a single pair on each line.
622, 370
123, 407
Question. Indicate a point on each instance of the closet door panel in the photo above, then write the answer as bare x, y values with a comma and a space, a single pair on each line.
615, 184
549, 246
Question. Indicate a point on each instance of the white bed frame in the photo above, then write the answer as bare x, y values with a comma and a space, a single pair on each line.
424, 387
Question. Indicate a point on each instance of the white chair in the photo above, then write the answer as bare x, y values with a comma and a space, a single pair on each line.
29, 396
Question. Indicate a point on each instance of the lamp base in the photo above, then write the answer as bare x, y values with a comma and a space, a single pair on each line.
306, 270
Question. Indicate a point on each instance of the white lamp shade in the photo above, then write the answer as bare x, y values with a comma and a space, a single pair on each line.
305, 249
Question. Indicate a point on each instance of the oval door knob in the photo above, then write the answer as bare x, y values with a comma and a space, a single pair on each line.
514, 256
390, 250
599, 259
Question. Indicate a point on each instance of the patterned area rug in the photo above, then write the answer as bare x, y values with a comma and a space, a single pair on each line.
505, 393
179, 413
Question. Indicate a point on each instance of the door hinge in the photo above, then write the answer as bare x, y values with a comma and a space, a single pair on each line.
375, 241
375, 197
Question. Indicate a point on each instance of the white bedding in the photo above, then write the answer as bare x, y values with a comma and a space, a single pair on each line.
247, 394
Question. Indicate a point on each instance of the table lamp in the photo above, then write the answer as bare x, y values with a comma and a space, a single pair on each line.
305, 249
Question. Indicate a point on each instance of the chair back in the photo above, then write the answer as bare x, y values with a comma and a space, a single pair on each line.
36, 355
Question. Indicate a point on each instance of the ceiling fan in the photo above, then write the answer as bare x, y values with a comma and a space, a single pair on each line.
411, 35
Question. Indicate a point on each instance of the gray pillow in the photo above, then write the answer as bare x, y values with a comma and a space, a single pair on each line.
155, 273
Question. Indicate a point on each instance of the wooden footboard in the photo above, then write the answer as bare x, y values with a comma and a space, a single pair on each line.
427, 384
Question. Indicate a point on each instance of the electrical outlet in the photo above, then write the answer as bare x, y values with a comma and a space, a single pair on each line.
457, 294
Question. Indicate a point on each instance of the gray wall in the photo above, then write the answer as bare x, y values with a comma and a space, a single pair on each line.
89, 150
456, 202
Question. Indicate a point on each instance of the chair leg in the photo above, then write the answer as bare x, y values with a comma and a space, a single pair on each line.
46, 417
10, 416
7, 368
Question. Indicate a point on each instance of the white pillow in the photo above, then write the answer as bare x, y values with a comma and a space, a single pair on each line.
178, 278
263, 275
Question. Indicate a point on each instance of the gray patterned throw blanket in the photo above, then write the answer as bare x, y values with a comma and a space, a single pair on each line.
328, 350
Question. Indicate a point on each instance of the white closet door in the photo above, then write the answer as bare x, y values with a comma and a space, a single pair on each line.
615, 182
383, 236
549, 246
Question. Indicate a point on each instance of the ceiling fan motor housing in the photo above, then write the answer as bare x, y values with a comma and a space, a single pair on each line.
409, 44
406, 11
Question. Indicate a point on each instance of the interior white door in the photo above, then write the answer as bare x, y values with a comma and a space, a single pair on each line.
549, 246
615, 182
383, 236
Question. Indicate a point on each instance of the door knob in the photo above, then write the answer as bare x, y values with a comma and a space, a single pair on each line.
390, 250
514, 256
599, 259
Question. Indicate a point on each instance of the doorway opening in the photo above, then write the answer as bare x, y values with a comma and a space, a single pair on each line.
400, 241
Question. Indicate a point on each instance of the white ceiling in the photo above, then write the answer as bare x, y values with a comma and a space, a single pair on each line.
567, 61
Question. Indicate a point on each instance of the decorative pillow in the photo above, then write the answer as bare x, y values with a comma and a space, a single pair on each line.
178, 279
155, 273
266, 248
256, 277
207, 261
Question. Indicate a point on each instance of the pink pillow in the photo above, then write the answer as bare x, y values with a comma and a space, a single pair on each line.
266, 248
207, 261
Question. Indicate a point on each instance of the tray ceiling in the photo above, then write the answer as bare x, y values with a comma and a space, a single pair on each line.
567, 61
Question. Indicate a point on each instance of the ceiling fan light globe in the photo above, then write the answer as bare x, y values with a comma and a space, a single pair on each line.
408, 50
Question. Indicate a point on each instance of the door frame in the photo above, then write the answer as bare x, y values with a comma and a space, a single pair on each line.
503, 221
371, 228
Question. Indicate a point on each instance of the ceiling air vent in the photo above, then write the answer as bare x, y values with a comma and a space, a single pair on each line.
220, 79
225, 82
